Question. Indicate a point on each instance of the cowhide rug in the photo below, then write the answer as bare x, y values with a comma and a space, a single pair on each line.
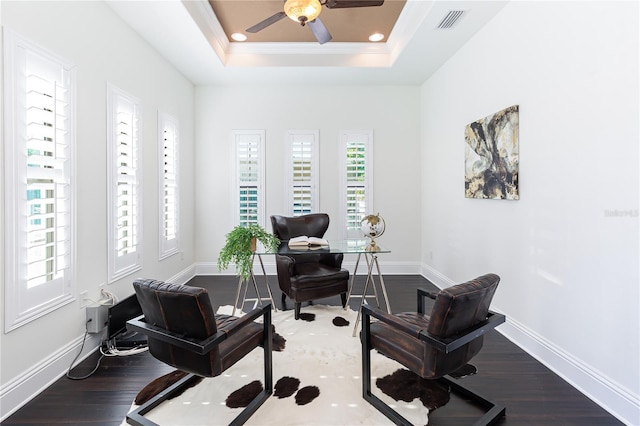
317, 380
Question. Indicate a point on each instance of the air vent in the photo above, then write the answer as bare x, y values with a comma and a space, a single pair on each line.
450, 19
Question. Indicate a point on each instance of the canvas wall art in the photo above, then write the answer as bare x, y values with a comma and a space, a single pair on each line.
491, 156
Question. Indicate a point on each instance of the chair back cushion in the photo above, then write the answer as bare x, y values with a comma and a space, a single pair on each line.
184, 310
462, 306
311, 225
456, 309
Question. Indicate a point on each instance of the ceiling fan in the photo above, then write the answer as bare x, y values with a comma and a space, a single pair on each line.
307, 12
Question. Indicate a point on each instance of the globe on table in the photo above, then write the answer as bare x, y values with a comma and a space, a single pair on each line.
372, 226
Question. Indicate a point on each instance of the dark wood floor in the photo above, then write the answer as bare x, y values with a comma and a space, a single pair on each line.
532, 394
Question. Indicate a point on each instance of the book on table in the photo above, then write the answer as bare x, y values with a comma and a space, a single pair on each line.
303, 242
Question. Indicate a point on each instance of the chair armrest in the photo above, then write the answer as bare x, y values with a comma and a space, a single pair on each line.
454, 342
427, 293
422, 293
332, 259
445, 345
392, 320
285, 264
248, 318
194, 345
199, 347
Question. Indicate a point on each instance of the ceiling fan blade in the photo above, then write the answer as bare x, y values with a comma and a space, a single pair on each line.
343, 4
264, 24
319, 31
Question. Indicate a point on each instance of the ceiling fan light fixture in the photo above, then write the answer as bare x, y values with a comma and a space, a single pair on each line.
302, 11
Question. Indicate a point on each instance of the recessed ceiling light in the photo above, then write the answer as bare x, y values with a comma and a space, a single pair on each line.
239, 37
376, 37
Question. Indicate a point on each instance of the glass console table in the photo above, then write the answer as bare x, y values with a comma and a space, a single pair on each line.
358, 247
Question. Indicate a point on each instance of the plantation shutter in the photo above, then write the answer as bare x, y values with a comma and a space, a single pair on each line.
358, 174
48, 180
304, 167
39, 160
127, 188
249, 160
249, 167
168, 130
356, 188
125, 227
169, 184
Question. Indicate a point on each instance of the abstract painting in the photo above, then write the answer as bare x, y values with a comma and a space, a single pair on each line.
491, 156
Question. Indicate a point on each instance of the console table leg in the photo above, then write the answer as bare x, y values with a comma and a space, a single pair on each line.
370, 277
353, 278
255, 286
384, 288
266, 281
235, 305
364, 293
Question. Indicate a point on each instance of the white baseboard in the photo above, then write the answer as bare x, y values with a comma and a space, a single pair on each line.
611, 396
617, 400
20, 390
183, 276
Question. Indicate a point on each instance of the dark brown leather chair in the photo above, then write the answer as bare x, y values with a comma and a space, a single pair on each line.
311, 275
435, 345
184, 332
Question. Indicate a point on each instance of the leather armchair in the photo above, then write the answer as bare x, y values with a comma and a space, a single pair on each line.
310, 275
435, 345
184, 332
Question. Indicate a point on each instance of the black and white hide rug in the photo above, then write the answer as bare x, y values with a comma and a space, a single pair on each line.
317, 376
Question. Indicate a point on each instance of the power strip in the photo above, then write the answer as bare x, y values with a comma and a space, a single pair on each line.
97, 318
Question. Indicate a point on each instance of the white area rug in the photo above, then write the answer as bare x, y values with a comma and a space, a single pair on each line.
318, 353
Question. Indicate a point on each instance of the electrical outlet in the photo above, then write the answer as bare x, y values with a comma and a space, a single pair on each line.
97, 318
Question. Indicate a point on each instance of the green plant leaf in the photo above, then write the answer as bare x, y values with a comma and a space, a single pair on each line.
237, 249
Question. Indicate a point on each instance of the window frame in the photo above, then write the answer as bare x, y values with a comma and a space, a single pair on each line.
24, 60
257, 138
312, 138
120, 102
168, 246
365, 138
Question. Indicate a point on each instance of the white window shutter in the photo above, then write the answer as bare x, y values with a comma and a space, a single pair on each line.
124, 174
303, 169
249, 188
40, 163
357, 190
168, 133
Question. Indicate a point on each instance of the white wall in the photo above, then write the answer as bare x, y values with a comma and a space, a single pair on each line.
569, 269
391, 112
104, 49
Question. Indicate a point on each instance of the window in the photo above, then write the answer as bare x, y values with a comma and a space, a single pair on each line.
303, 172
357, 174
125, 197
40, 194
249, 187
168, 134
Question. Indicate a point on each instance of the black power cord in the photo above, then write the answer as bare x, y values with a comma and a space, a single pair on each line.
84, 339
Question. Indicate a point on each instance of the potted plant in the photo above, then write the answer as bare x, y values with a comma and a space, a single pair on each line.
240, 246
